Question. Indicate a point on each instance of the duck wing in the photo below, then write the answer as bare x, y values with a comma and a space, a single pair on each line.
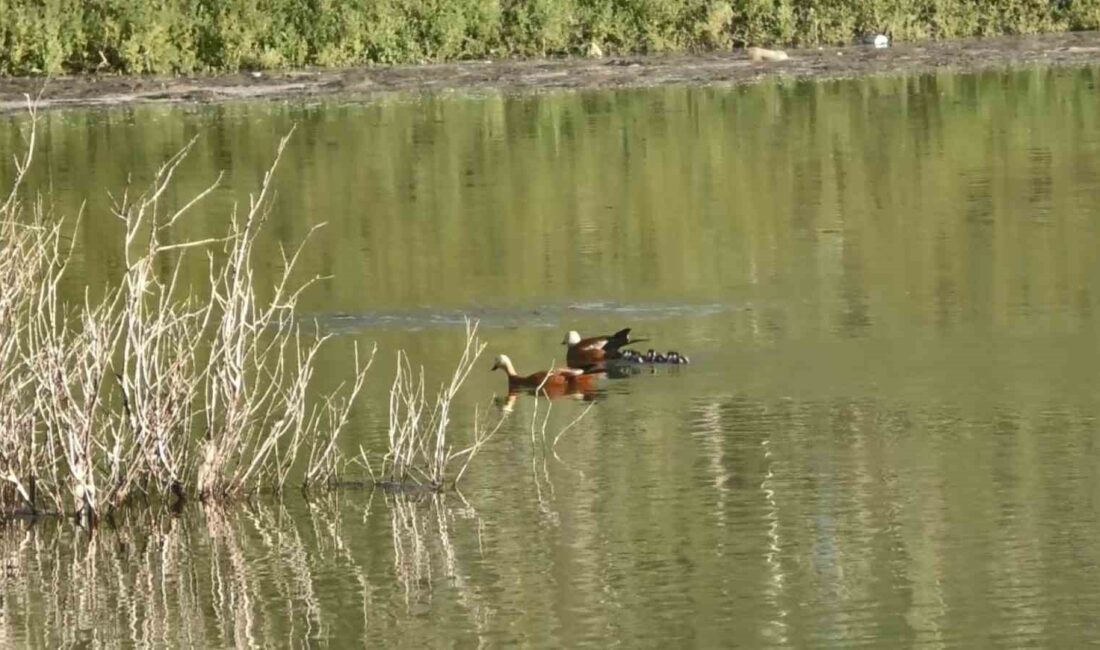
591, 343
581, 358
616, 340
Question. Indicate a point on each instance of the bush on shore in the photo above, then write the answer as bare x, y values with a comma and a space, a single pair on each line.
184, 36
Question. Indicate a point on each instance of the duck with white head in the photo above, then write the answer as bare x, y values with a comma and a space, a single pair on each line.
594, 351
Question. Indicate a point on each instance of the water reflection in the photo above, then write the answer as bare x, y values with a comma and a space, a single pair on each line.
839, 194
789, 523
255, 575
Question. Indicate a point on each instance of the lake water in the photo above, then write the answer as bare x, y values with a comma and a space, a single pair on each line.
889, 288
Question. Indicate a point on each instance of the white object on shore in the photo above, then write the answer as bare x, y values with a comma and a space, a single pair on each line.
876, 40
761, 54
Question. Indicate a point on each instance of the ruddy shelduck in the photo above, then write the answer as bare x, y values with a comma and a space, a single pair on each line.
554, 381
594, 351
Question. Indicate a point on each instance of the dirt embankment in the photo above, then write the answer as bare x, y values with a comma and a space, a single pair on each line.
731, 67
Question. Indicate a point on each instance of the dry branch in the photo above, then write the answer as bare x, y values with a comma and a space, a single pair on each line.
420, 452
157, 388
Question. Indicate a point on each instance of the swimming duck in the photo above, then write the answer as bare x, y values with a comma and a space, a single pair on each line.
553, 381
595, 350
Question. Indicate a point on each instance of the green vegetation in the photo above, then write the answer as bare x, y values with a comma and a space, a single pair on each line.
182, 36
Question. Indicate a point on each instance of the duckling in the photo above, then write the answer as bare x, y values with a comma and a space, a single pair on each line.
650, 355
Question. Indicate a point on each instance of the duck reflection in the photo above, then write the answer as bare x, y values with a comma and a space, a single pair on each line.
590, 393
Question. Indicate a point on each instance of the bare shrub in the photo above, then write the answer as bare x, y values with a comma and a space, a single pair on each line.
419, 450
154, 389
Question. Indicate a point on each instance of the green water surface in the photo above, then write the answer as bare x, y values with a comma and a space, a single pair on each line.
888, 435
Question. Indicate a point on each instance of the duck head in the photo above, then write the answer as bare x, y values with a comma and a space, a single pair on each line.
572, 338
502, 363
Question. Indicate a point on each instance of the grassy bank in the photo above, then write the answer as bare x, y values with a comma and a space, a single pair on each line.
181, 36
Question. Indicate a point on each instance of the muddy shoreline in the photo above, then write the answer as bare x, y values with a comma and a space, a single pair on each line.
1069, 49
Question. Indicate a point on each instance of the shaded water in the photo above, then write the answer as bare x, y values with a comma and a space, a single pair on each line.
888, 436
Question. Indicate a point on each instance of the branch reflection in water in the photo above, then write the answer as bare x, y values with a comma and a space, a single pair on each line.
253, 575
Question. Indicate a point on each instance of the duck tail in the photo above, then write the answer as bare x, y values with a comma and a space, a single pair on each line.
620, 339
615, 348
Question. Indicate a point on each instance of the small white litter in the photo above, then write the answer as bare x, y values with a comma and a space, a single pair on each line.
761, 54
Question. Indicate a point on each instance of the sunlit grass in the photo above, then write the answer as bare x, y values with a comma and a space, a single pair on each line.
193, 35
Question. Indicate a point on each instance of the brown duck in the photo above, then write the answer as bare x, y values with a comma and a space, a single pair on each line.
594, 351
554, 382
